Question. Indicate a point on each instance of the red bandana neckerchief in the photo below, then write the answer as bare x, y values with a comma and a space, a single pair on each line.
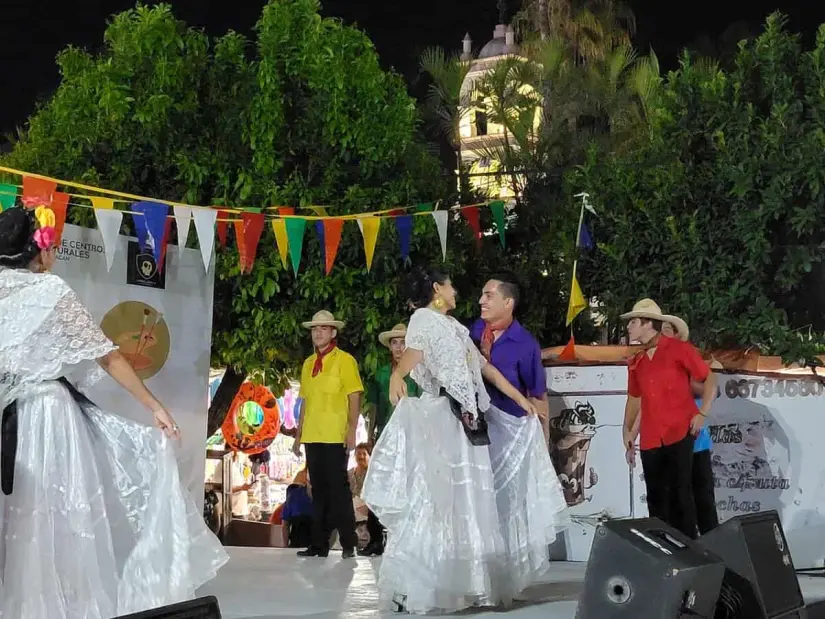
489, 335
319, 358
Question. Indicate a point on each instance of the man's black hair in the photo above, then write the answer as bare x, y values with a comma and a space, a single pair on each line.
509, 286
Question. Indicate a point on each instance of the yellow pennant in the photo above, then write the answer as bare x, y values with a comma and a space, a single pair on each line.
104, 203
577, 303
281, 239
369, 228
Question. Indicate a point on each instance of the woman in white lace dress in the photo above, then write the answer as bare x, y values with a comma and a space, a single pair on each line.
94, 521
430, 481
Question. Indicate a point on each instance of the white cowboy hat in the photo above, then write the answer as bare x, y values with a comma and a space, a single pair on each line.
323, 319
647, 308
386, 337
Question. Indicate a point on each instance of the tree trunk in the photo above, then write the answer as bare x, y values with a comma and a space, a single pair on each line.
543, 29
227, 390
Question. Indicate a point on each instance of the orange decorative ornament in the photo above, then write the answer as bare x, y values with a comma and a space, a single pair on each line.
253, 421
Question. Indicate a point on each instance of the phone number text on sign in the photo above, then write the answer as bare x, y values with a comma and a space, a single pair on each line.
771, 388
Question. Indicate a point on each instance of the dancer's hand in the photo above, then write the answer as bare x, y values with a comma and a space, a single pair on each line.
296, 447
165, 422
630, 455
528, 406
696, 424
398, 388
351, 439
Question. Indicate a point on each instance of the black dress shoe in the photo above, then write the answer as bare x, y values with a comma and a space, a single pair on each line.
314, 552
372, 550
348, 553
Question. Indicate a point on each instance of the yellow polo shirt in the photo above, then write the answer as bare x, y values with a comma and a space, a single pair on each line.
326, 397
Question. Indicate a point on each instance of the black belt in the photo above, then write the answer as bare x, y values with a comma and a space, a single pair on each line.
8, 436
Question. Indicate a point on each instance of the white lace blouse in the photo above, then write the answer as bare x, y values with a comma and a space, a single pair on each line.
451, 360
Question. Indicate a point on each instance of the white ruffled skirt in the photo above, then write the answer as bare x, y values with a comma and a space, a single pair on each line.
98, 524
433, 491
531, 506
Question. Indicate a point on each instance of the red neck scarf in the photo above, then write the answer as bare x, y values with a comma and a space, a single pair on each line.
488, 338
319, 358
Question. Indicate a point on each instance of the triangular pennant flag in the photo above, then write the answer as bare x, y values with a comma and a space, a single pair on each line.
470, 213
109, 222
223, 226
320, 211
60, 207
497, 209
369, 229
102, 203
151, 227
248, 231
331, 239
577, 303
424, 208
441, 220
164, 244
295, 227
8, 195
205, 227
319, 230
404, 225
279, 228
183, 219
568, 353
37, 191
585, 240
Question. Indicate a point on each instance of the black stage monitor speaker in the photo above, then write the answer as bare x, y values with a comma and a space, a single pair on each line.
202, 608
644, 569
815, 610
760, 580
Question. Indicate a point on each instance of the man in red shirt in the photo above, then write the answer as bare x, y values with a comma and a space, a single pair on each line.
659, 379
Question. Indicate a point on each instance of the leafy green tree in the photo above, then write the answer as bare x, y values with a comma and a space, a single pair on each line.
717, 217
303, 115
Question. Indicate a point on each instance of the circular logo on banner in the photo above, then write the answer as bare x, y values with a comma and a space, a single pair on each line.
253, 421
142, 335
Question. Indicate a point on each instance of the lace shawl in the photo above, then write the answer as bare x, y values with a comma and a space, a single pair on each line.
451, 360
45, 333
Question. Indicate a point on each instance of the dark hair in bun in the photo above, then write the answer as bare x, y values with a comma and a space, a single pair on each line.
420, 284
17, 246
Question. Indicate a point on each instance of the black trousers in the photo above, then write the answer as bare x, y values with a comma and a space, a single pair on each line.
331, 496
668, 474
704, 492
375, 529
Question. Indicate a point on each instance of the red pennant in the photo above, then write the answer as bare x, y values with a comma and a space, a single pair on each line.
60, 207
473, 220
569, 351
248, 230
254, 227
164, 243
37, 192
223, 226
332, 238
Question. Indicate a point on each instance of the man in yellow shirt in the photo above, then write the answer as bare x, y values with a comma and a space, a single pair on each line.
331, 389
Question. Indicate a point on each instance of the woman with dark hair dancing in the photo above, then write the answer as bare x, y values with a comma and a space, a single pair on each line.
94, 521
430, 481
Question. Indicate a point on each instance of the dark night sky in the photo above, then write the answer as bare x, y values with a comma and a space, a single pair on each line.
35, 30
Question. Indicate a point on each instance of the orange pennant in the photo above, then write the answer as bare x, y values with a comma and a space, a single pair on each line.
248, 231
332, 238
37, 192
568, 353
60, 206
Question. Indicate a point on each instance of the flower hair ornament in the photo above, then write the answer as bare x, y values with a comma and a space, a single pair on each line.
46, 235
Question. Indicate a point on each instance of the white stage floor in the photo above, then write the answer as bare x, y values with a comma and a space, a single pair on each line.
266, 583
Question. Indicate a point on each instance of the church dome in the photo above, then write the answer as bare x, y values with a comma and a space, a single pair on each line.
501, 44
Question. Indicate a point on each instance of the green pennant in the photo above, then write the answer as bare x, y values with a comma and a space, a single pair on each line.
423, 208
295, 234
8, 194
497, 208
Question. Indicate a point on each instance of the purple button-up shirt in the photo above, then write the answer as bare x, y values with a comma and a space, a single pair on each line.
517, 355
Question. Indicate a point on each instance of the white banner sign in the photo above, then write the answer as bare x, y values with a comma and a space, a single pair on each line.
767, 453
162, 323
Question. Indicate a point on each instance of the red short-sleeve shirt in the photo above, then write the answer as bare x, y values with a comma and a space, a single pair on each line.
663, 384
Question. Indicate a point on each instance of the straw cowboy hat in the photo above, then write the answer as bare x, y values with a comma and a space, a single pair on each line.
647, 308
323, 319
386, 337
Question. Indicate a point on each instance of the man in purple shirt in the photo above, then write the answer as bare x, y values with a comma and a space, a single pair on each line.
531, 505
